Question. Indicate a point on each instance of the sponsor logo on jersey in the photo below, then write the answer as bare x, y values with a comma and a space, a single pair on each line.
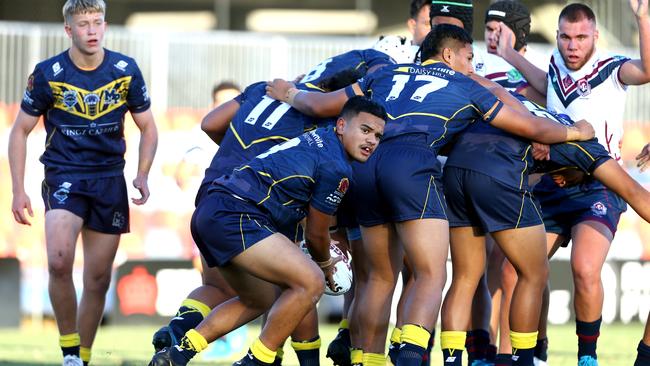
56, 68
30, 83
121, 65
344, 184
599, 209
514, 76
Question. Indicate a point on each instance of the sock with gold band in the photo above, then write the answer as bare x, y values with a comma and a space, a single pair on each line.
426, 358
523, 348
69, 344
308, 351
374, 359
356, 357
414, 341
84, 354
393, 348
262, 353
452, 344
188, 316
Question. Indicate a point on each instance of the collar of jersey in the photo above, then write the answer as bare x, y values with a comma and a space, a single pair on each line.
430, 62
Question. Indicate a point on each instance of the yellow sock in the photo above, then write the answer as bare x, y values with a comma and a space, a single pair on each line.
356, 356
84, 354
344, 324
415, 334
374, 359
194, 341
69, 340
261, 352
452, 340
523, 340
196, 304
306, 345
396, 335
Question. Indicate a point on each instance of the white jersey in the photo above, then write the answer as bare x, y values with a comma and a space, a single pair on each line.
501, 72
594, 93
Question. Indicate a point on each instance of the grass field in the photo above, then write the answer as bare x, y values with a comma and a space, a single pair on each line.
130, 345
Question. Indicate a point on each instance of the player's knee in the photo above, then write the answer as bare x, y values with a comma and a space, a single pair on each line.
97, 282
59, 268
313, 284
585, 276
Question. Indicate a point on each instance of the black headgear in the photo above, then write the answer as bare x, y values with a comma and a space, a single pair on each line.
513, 14
459, 9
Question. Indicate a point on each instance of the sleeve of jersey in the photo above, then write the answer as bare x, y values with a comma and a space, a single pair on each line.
364, 84
585, 155
374, 58
37, 98
138, 98
487, 104
615, 75
329, 190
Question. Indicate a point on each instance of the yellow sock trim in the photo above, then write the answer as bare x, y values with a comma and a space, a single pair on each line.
196, 304
261, 352
69, 340
415, 334
306, 345
84, 354
196, 341
356, 356
452, 339
374, 359
344, 324
523, 340
396, 335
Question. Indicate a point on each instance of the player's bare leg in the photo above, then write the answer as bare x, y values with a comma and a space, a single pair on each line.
372, 305
99, 252
468, 258
426, 245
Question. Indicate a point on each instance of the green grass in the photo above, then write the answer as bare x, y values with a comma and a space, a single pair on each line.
130, 345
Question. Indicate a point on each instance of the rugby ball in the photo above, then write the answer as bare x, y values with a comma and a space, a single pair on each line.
342, 269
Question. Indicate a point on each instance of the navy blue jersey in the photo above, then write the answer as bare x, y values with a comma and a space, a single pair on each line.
430, 98
361, 60
259, 124
84, 112
311, 169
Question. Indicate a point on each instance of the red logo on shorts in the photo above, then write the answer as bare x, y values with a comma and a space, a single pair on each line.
344, 184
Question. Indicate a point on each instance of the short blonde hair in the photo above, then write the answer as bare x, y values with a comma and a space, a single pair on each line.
73, 7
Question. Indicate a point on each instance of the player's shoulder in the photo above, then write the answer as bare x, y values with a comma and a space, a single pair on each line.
54, 66
121, 63
254, 89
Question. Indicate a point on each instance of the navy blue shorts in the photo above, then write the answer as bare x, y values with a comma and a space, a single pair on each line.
102, 203
400, 182
563, 208
224, 226
478, 200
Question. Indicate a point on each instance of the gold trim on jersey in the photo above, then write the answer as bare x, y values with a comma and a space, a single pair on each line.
583, 150
245, 146
265, 174
90, 104
521, 179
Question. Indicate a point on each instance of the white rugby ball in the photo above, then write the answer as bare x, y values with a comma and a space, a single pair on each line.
342, 270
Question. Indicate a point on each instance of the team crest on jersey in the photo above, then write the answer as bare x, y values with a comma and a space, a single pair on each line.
599, 209
584, 88
90, 104
567, 81
30, 83
344, 184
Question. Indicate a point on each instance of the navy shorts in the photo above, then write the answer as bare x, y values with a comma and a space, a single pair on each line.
102, 203
224, 226
478, 200
400, 182
563, 208
583, 155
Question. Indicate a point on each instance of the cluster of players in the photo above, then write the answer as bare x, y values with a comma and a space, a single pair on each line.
350, 152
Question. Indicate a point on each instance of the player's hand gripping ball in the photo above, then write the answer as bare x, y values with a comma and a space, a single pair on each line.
342, 269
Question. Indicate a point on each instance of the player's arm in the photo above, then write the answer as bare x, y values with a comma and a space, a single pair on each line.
500, 92
23, 126
540, 129
637, 72
614, 177
535, 76
317, 238
215, 123
643, 157
310, 103
147, 150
